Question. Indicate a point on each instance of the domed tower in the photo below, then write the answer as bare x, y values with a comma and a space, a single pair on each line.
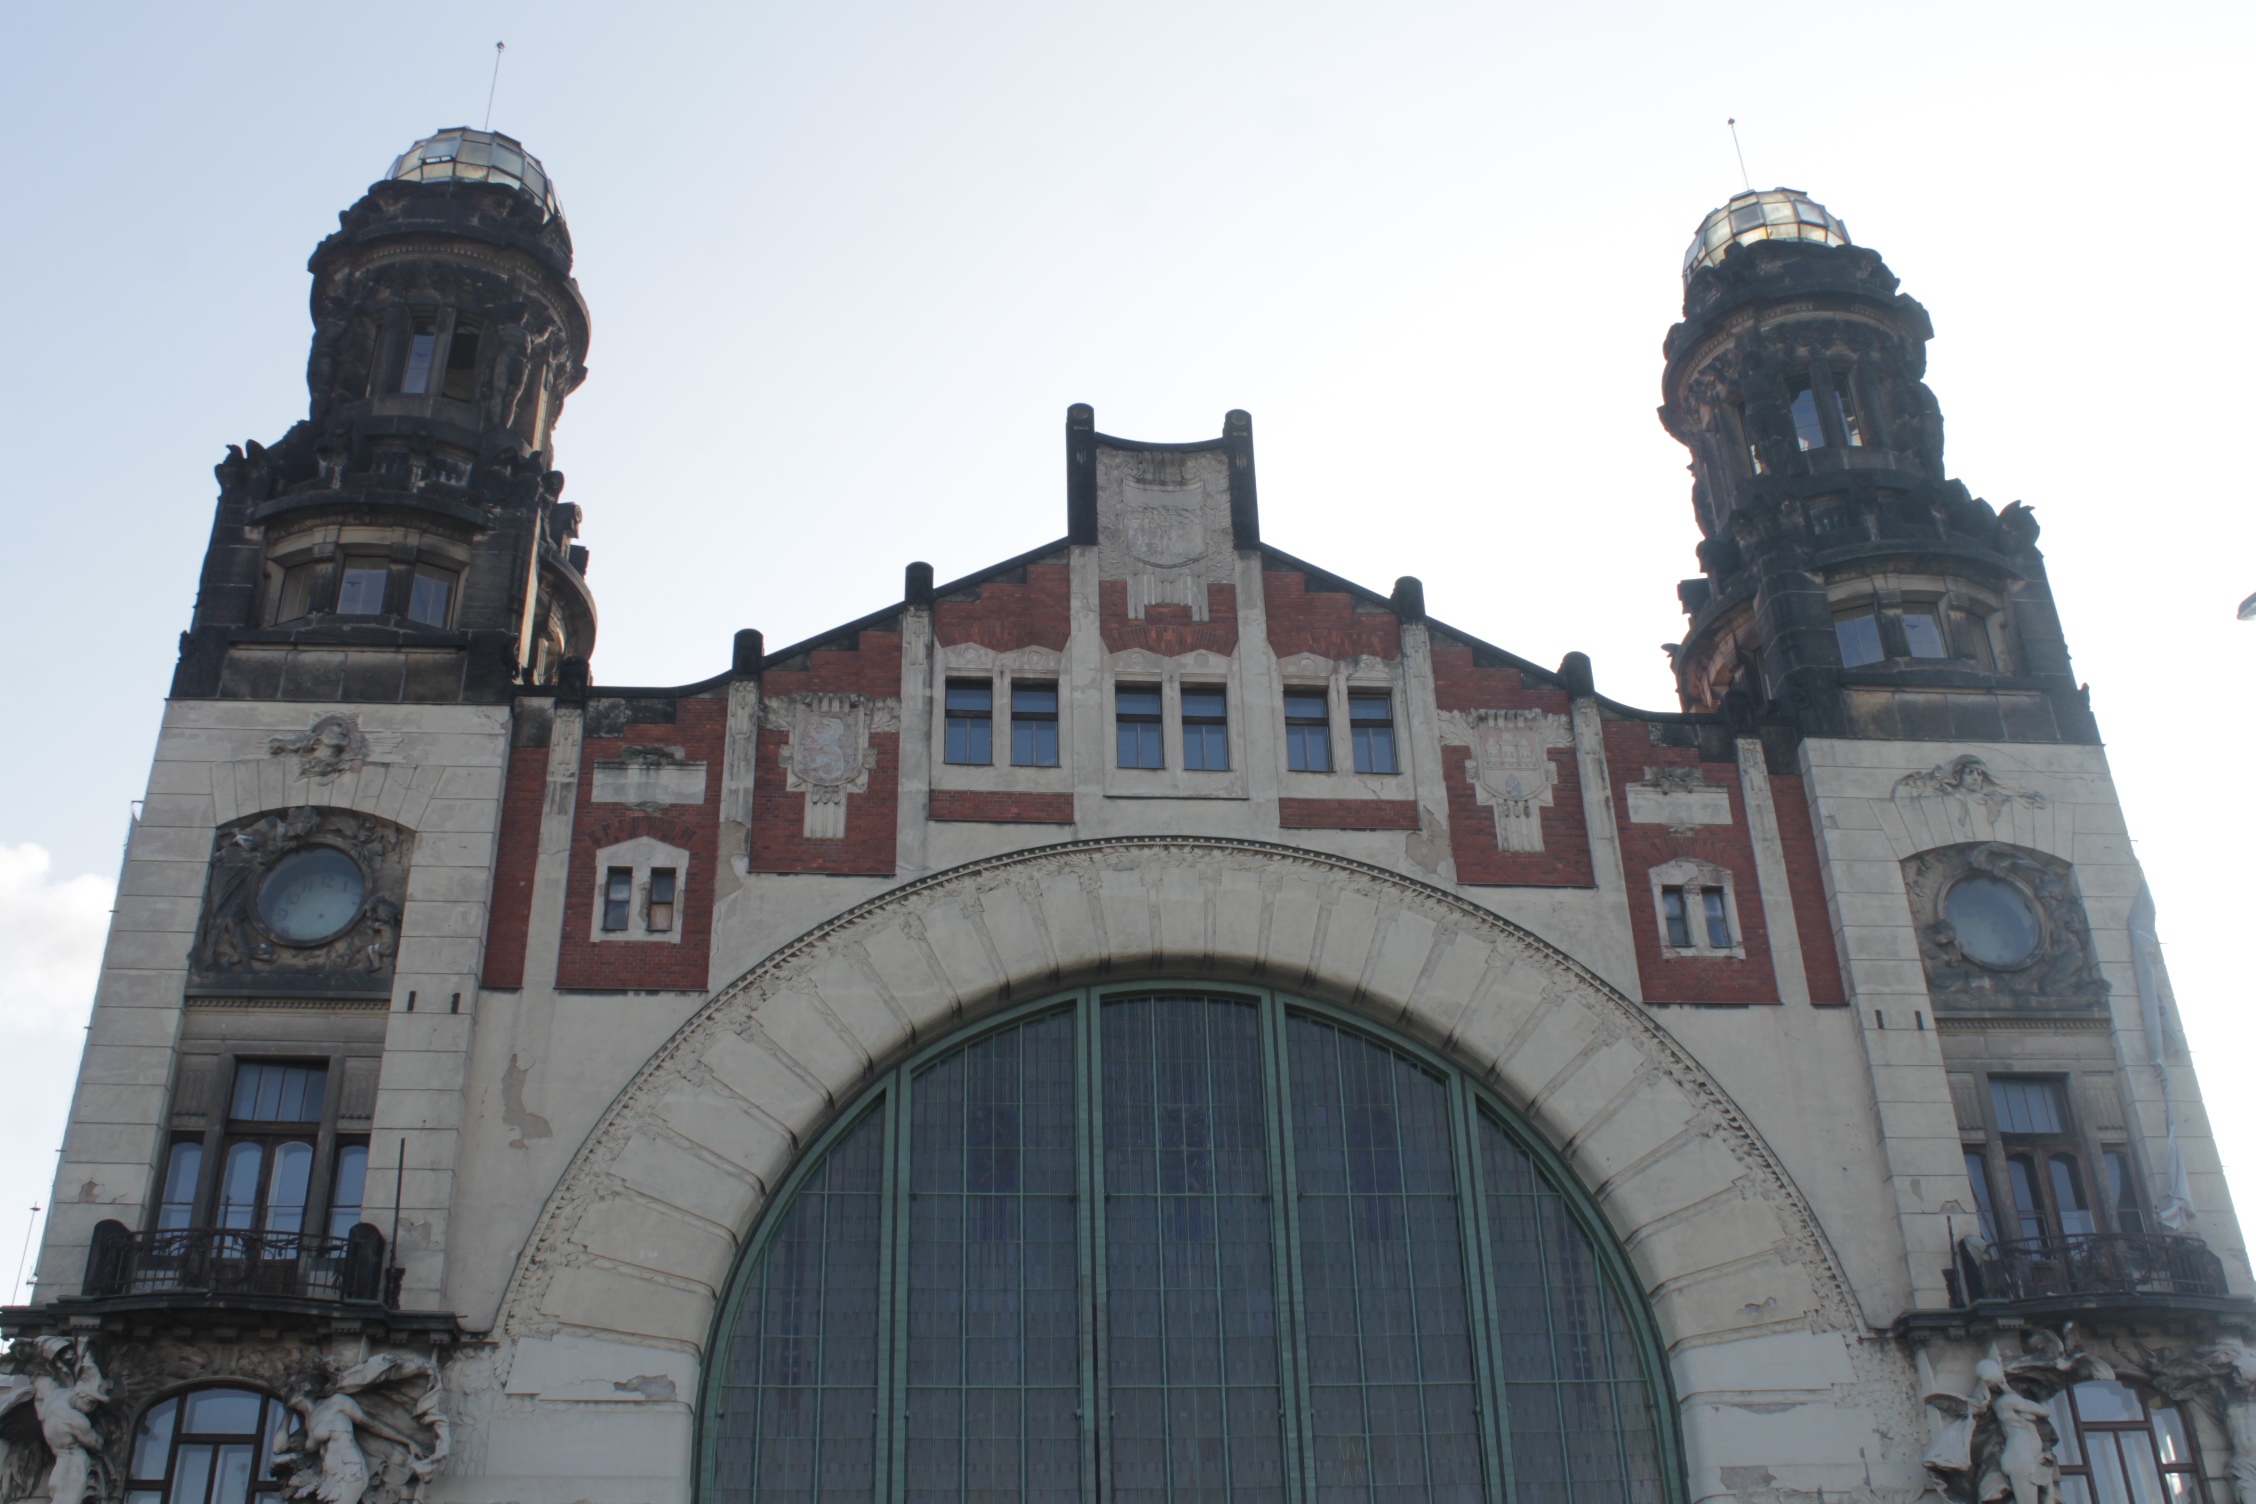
1848, 583
406, 541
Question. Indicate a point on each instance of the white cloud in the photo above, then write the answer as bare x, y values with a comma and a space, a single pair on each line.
51, 935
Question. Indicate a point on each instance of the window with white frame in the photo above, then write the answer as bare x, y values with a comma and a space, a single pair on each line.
1696, 909
639, 891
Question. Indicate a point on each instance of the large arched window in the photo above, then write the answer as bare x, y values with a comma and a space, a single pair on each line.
1162, 1244
208, 1446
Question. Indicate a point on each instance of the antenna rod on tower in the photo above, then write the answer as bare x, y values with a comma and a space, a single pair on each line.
493, 86
1733, 122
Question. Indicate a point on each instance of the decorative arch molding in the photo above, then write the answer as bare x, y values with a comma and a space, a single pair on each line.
638, 1240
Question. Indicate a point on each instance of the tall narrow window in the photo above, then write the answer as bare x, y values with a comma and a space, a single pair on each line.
1978, 1176
288, 1182
422, 347
1858, 633
1719, 927
431, 596
1137, 708
1206, 728
1923, 634
2068, 1199
1809, 432
1308, 731
971, 721
1370, 718
1678, 918
1971, 631
462, 361
1034, 725
661, 910
618, 897
361, 592
348, 1188
294, 597
2122, 1191
1845, 407
184, 1165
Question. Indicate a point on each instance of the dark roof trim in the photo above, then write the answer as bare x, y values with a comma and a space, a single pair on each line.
1196, 446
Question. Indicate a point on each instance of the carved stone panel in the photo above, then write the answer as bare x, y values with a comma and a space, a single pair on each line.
304, 900
1680, 798
2002, 929
1511, 768
1163, 526
829, 755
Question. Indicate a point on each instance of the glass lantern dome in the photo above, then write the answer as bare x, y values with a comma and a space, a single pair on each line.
1768, 214
478, 157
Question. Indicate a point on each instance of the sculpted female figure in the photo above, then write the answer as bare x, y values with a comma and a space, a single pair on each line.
332, 1427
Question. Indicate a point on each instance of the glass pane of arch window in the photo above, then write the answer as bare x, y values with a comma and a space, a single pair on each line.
1923, 634
1184, 1243
207, 1446
2119, 1446
1858, 633
1995, 923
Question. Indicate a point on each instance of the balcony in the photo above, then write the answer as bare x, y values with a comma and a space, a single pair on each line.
2086, 1266
208, 1263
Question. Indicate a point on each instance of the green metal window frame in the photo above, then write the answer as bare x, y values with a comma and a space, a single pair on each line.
1468, 1103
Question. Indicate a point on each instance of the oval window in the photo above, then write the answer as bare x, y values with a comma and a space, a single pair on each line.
312, 895
1996, 924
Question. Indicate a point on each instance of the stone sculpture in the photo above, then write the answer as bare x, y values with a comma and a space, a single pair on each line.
1999, 1437
324, 1457
48, 1422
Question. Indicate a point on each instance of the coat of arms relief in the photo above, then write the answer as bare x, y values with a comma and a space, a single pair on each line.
1511, 769
829, 754
1164, 527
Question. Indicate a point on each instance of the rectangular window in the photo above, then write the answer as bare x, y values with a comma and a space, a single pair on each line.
295, 596
430, 596
1859, 637
971, 721
268, 1093
618, 897
1923, 634
1808, 431
661, 911
1370, 719
1308, 731
1719, 927
462, 361
2028, 1209
422, 345
1679, 919
1206, 728
361, 593
184, 1166
2025, 1105
1978, 1176
1136, 707
1972, 633
2068, 1197
1844, 404
1034, 725
2122, 1191
347, 1188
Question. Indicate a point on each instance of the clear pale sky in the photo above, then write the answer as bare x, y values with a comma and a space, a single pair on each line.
850, 262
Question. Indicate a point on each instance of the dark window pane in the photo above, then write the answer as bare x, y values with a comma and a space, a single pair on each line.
222, 1412
1371, 719
1034, 732
183, 1165
994, 1346
2028, 1106
270, 1093
462, 361
422, 345
1995, 925
430, 596
287, 1184
1308, 749
1679, 923
1190, 1269
658, 917
971, 722
362, 591
349, 1185
1923, 635
1388, 1345
1844, 405
2068, 1198
1808, 431
618, 897
2122, 1192
1206, 746
1203, 704
2027, 1206
1308, 705
152, 1442
1719, 925
1137, 700
1137, 707
1859, 637
1978, 1175
797, 1414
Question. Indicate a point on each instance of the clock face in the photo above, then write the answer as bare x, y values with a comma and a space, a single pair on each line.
312, 895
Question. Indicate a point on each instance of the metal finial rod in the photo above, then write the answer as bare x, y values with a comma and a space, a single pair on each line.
1733, 122
495, 84
24, 1258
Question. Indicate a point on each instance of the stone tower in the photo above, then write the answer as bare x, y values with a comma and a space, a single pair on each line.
405, 542
1849, 585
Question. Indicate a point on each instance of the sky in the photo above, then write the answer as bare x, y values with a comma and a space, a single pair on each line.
849, 263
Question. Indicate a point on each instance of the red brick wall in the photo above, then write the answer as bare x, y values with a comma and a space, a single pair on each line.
1805, 879
1168, 630
1324, 622
1036, 614
700, 729
1348, 814
1001, 806
1674, 979
778, 816
516, 855
1564, 861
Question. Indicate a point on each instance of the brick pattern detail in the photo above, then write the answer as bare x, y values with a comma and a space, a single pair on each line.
1348, 814
1674, 979
516, 856
1168, 630
1002, 807
1805, 879
701, 729
871, 846
1037, 614
1564, 861
1324, 622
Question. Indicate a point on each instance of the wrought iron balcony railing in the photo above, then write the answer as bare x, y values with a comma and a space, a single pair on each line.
232, 1261
2092, 1263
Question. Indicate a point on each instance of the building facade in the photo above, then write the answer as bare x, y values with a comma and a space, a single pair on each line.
1152, 1020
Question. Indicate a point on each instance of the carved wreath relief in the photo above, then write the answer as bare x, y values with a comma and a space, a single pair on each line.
1511, 769
308, 897
829, 755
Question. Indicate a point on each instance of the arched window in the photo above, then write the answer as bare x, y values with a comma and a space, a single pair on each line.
207, 1446
1156, 1243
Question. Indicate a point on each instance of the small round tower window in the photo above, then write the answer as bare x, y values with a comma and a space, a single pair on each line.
1996, 924
312, 895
